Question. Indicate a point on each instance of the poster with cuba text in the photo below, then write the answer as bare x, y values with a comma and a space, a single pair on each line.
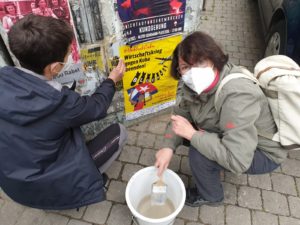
148, 85
146, 20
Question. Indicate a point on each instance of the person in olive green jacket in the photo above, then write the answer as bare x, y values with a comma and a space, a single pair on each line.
223, 139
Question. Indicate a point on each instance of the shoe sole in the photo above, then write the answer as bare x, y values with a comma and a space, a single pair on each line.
212, 204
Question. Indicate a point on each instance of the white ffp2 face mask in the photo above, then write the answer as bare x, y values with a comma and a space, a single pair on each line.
199, 78
67, 65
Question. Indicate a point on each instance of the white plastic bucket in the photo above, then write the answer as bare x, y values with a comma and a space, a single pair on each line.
140, 185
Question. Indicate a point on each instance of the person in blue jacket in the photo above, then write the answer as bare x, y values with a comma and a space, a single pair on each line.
45, 161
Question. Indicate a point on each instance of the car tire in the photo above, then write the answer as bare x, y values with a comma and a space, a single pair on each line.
276, 41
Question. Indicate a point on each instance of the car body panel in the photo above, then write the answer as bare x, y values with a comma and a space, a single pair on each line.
266, 12
293, 29
272, 11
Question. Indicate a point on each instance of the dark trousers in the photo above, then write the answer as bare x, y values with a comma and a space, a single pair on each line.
107, 145
207, 173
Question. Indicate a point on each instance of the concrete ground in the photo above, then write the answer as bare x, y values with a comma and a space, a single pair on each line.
270, 199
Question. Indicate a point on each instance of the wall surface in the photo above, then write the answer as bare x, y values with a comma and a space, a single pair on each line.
113, 39
97, 23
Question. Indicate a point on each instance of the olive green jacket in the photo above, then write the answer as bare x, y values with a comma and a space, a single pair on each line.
229, 137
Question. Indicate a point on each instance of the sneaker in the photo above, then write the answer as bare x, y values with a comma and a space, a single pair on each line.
194, 199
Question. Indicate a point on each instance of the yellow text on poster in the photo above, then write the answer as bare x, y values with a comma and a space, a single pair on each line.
148, 85
92, 56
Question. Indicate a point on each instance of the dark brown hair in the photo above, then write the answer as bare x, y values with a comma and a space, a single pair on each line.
38, 41
9, 4
51, 4
196, 48
37, 3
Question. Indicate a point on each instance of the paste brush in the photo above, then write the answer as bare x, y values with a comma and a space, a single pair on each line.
159, 192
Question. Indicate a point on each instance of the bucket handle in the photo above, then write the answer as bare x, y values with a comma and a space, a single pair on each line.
133, 218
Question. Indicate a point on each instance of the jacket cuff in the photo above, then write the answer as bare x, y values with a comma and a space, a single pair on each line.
109, 80
171, 145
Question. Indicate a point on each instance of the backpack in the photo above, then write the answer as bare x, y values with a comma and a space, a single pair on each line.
279, 78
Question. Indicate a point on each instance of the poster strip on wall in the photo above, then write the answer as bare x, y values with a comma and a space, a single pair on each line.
146, 20
87, 20
148, 86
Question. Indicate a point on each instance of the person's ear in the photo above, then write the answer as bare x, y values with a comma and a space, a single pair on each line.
55, 68
52, 70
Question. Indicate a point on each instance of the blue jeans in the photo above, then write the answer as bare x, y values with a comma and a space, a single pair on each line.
207, 173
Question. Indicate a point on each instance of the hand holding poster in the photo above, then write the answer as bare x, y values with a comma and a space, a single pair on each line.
148, 86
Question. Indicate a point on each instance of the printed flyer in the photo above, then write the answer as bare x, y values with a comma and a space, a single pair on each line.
148, 85
93, 67
146, 20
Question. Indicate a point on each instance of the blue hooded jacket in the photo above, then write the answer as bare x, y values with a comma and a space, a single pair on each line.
44, 159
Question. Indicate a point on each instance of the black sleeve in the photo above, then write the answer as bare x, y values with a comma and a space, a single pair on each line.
79, 110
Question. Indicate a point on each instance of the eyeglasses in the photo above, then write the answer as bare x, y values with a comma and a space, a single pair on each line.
182, 69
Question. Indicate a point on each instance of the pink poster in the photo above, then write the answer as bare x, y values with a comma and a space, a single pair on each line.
12, 11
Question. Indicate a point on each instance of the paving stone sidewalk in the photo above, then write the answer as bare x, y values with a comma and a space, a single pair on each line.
270, 199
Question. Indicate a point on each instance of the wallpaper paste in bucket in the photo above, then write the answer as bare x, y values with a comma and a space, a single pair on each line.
139, 187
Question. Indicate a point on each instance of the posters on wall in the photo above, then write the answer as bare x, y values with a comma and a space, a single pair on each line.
146, 20
91, 58
148, 86
13, 10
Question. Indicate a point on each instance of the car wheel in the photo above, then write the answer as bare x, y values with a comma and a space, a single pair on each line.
276, 43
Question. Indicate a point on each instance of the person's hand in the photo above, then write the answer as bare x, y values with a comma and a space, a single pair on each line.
182, 127
163, 158
118, 72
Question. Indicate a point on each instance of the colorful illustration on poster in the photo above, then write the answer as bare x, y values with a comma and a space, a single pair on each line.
11, 13
140, 94
14, 10
148, 85
146, 20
